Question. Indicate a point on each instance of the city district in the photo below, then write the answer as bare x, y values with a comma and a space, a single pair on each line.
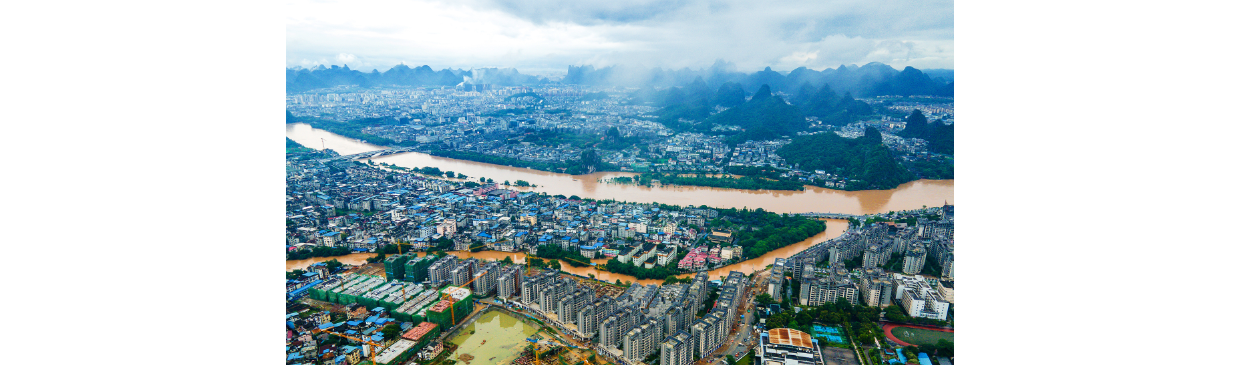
881, 292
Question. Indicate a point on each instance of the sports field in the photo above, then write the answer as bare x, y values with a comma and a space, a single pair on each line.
919, 336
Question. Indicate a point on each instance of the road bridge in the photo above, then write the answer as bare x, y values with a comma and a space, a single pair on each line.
371, 154
830, 215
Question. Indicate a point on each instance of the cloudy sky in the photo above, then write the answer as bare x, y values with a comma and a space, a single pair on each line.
544, 37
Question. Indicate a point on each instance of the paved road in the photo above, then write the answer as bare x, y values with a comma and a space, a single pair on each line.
743, 338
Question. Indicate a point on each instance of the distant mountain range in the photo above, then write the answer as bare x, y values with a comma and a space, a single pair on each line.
301, 79
872, 79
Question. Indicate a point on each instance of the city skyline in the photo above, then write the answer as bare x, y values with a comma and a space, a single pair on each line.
545, 37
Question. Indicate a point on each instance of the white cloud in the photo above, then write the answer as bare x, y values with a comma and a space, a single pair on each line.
550, 35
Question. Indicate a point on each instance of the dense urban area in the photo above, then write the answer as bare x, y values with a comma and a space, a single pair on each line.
881, 292
759, 134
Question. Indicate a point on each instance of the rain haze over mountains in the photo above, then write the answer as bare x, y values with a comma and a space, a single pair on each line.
863, 47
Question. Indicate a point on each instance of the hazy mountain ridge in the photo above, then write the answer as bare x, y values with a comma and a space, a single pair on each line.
870, 80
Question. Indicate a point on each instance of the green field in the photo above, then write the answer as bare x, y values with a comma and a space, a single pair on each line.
745, 360
918, 336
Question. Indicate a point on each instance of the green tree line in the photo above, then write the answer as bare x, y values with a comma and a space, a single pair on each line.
863, 159
759, 231
555, 252
317, 251
748, 183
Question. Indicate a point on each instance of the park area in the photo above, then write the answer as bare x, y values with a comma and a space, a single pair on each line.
909, 335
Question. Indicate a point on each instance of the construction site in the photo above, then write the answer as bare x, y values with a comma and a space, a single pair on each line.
449, 328
433, 308
545, 348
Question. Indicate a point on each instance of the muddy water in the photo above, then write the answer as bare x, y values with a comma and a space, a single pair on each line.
834, 229
504, 336
911, 195
350, 259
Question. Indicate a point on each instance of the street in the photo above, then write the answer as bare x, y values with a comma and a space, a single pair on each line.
743, 338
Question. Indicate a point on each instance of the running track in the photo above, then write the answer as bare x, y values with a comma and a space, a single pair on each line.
887, 327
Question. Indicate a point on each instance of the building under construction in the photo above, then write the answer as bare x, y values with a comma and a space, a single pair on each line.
394, 267
416, 268
406, 302
453, 309
421, 335
397, 353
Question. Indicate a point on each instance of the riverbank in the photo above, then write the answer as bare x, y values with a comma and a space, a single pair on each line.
350, 259
576, 168
738, 182
348, 129
912, 195
835, 228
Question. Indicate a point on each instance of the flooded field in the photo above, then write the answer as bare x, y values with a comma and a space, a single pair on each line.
497, 338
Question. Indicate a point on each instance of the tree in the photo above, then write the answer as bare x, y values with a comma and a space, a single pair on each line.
332, 265
553, 264
506, 183
450, 174
507, 260
945, 348
804, 318
618, 282
391, 331
873, 136
764, 299
777, 321
536, 262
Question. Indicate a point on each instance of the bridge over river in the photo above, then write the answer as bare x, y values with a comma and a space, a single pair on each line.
371, 154
831, 215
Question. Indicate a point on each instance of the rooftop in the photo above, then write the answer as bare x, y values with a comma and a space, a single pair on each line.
391, 352
416, 333
788, 336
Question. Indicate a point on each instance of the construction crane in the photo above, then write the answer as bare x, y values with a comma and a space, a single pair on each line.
399, 250
374, 347
451, 301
